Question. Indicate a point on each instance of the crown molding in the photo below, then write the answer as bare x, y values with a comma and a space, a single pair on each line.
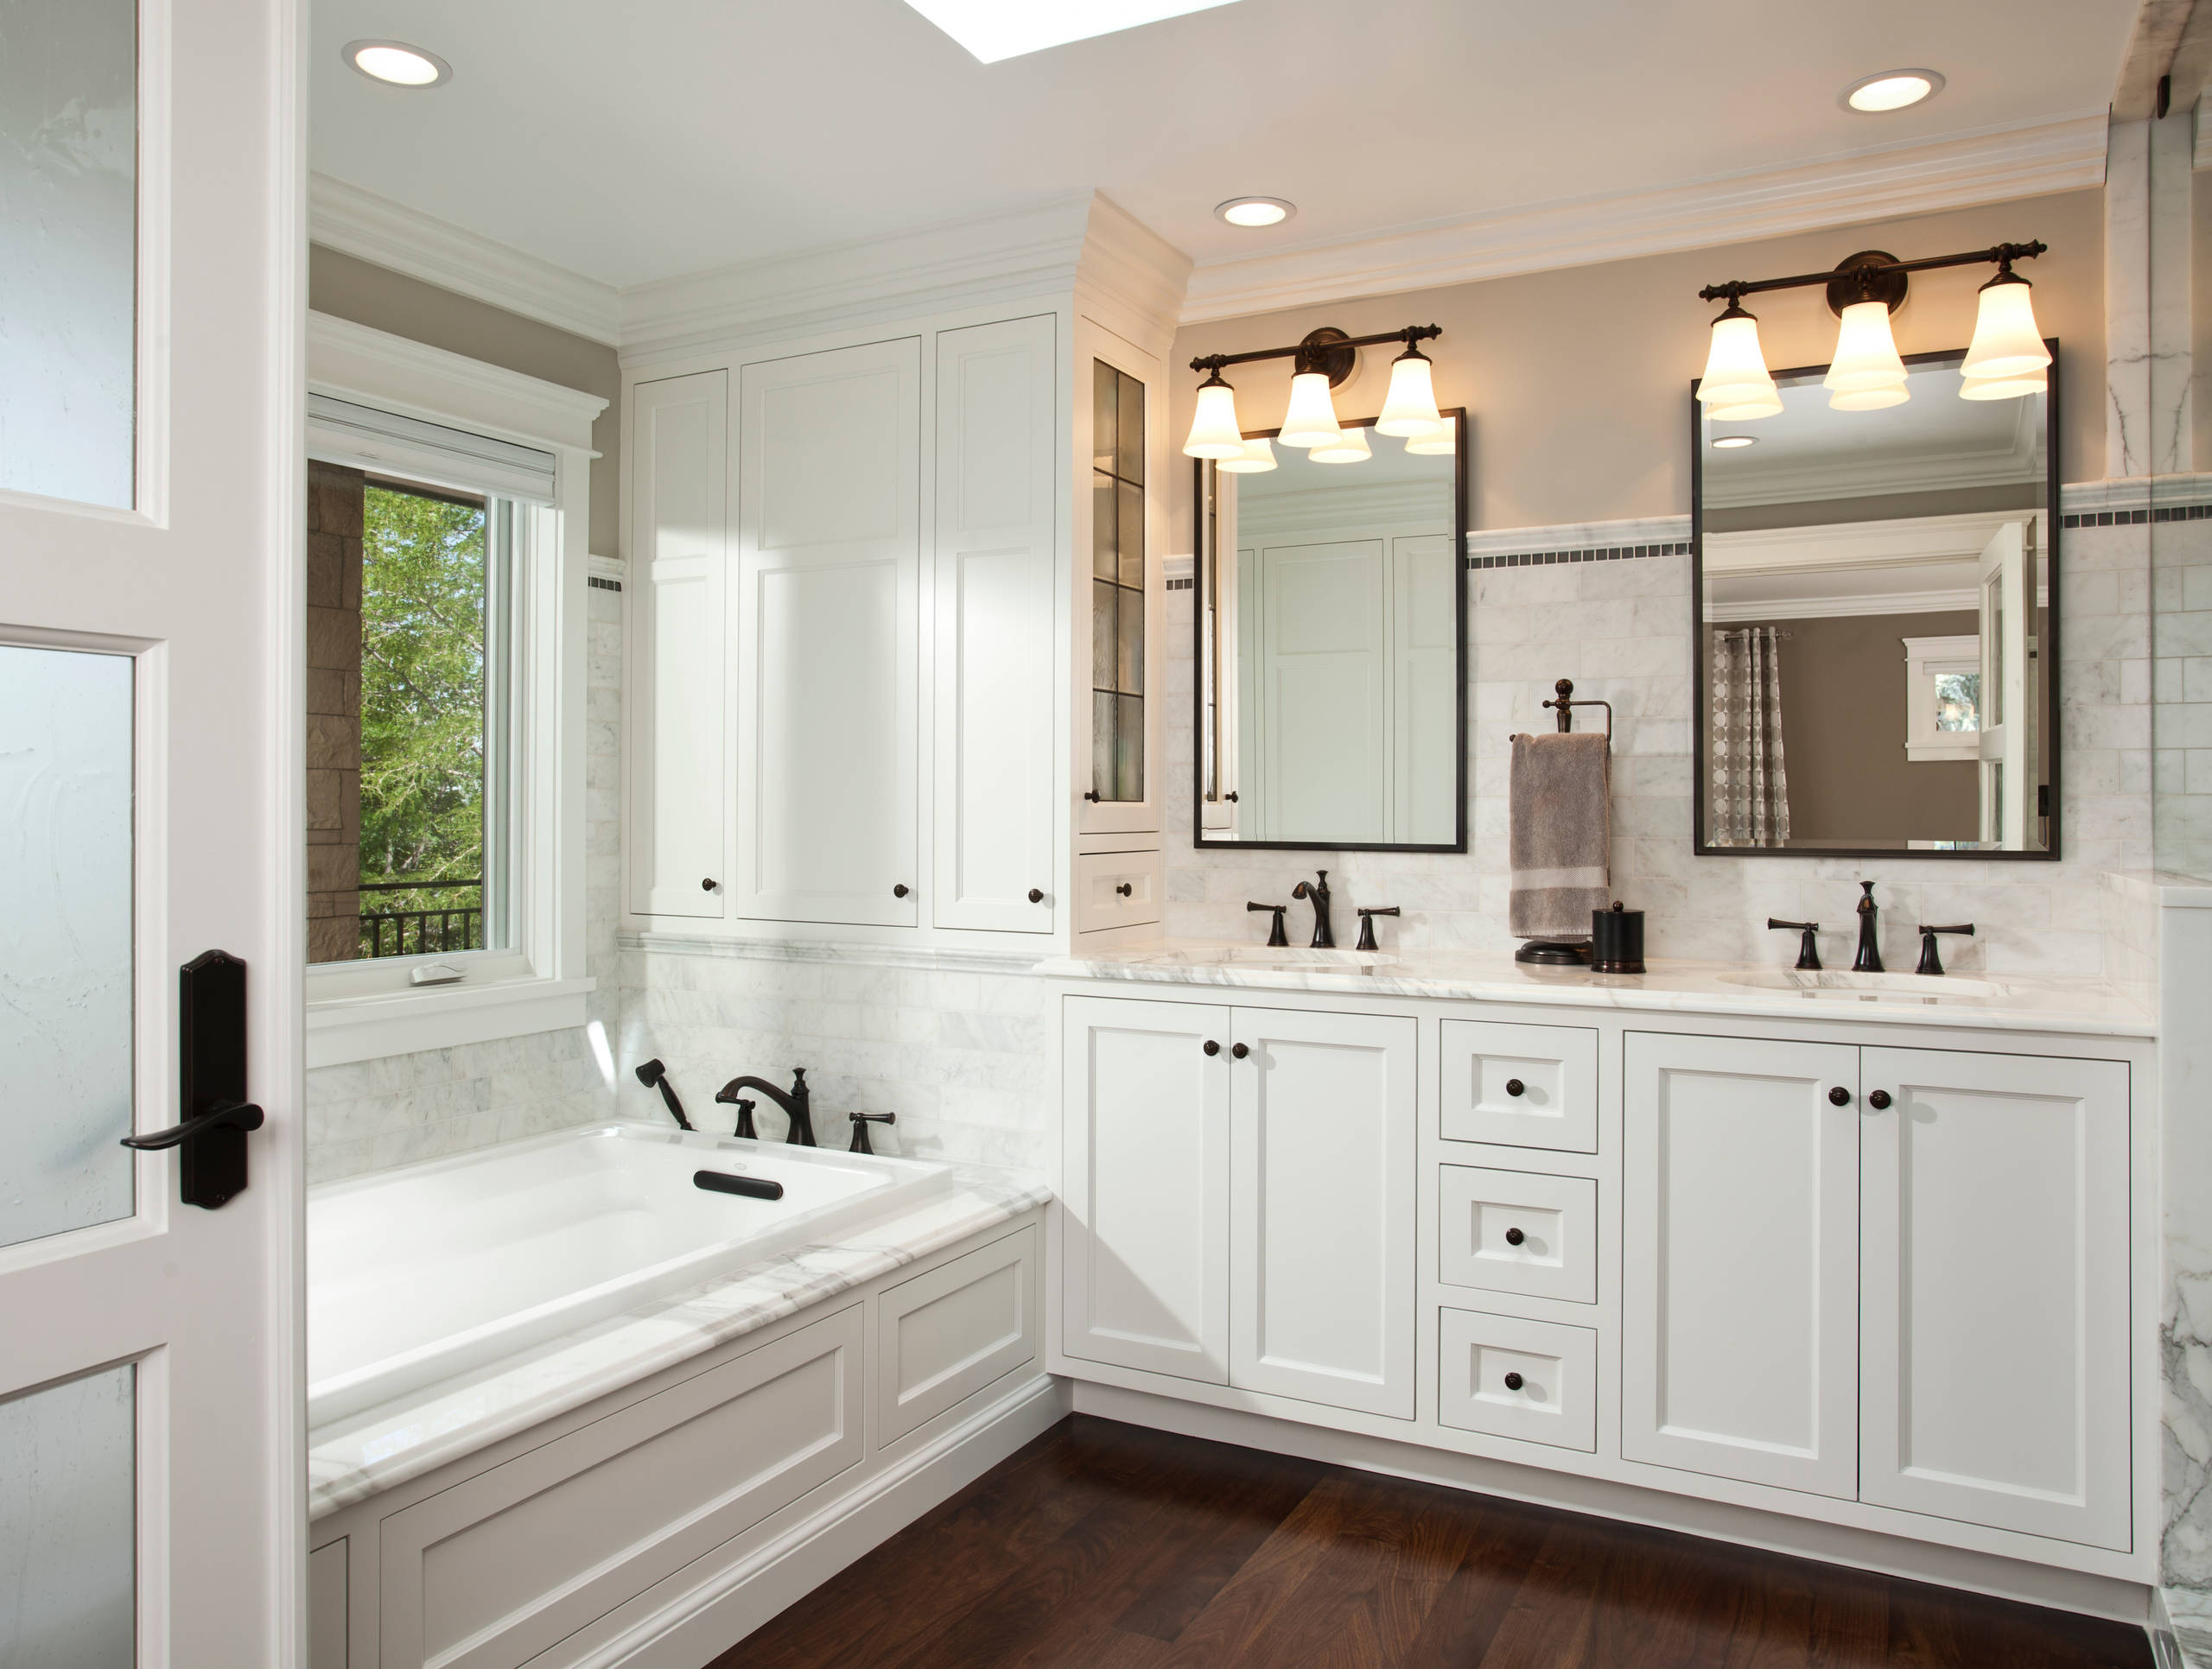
2063, 154
406, 240
1126, 267
1899, 542
351, 361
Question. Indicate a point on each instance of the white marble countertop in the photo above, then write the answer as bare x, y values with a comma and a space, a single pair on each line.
1997, 1002
354, 1459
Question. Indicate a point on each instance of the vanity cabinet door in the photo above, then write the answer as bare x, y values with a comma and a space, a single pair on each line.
1994, 1300
679, 757
829, 646
1739, 1322
994, 570
1322, 1169
1144, 1262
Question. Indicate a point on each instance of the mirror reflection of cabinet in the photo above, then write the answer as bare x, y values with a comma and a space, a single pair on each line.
1330, 650
1876, 601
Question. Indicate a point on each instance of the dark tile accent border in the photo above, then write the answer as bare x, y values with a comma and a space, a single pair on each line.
1179, 585
2137, 517
1600, 554
599, 584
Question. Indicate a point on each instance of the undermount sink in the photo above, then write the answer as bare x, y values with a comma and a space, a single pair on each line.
1288, 958
1841, 986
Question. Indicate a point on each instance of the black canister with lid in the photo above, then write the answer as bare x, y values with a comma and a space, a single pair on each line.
1617, 940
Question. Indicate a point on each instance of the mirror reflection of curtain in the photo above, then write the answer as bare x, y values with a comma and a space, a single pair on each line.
1751, 788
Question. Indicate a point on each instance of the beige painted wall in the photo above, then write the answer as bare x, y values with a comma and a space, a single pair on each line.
1577, 381
348, 287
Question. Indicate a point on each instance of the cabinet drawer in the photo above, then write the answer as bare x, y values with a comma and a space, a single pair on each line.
1520, 1086
1115, 889
1530, 1379
1513, 1231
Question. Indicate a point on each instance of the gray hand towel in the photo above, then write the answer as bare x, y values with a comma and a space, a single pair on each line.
1562, 838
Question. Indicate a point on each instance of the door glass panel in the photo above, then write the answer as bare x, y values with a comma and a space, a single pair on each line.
1117, 566
64, 941
1105, 543
68, 245
69, 1524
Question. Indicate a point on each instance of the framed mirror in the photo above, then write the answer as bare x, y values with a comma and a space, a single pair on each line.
1875, 599
1330, 655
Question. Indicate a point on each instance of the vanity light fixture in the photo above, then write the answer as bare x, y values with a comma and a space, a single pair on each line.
1734, 442
1259, 454
1255, 211
1865, 373
1348, 447
396, 63
1322, 361
1889, 90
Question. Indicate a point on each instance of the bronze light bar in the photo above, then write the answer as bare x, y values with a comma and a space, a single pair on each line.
1872, 275
1321, 361
1327, 349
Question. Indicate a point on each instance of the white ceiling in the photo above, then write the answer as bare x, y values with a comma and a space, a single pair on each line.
632, 140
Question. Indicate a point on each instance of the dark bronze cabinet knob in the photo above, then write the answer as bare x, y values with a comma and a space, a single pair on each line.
1515, 1086
900, 891
1036, 895
1879, 1101
1091, 795
1513, 1381
1839, 1096
1239, 1051
1514, 1237
707, 886
1212, 1048
1125, 889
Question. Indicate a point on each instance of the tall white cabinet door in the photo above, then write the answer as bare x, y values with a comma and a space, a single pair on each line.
996, 419
1740, 1195
829, 559
679, 465
1322, 1172
1144, 1260
1995, 1291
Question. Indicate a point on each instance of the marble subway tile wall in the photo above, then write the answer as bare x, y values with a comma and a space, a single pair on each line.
1620, 628
370, 1115
2181, 644
959, 1047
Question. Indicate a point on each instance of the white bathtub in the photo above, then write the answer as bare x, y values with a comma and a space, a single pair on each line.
418, 1274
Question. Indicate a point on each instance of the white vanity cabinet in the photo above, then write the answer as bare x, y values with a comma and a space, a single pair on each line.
1239, 1197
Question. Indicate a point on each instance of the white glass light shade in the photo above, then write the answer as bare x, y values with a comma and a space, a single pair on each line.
1868, 399
1736, 376
1442, 444
1214, 431
1312, 419
2005, 388
1746, 410
1348, 447
1410, 407
1259, 454
1866, 354
2006, 342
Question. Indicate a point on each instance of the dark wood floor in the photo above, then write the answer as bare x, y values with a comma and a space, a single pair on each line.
1109, 1547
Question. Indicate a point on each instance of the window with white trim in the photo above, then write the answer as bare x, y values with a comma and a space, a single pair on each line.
1942, 698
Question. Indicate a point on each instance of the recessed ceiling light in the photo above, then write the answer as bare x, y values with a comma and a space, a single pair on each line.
1255, 211
1892, 90
993, 30
1730, 442
397, 64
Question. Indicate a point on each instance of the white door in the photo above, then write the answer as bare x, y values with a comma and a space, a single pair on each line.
2007, 723
1740, 1195
1994, 1296
1325, 691
829, 648
1144, 1266
152, 1487
995, 573
1321, 1257
679, 469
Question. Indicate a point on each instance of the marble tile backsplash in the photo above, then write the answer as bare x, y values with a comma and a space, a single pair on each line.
1620, 628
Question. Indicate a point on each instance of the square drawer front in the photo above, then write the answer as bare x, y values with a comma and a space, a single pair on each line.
1115, 889
1531, 1380
1522, 1086
1514, 1231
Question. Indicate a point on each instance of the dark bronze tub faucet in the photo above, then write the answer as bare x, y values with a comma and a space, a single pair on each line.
654, 1075
796, 1102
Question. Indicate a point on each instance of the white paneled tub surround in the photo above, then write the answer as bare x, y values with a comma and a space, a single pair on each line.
419, 1274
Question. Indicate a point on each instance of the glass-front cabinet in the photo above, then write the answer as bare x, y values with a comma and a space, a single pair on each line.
1117, 778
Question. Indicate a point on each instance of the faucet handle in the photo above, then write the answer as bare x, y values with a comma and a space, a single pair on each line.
745, 1129
1276, 934
1809, 950
1367, 915
1930, 963
860, 1122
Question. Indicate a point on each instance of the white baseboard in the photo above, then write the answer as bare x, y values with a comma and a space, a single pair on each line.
1834, 1543
714, 1615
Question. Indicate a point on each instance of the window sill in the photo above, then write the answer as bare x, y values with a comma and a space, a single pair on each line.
1930, 753
345, 1029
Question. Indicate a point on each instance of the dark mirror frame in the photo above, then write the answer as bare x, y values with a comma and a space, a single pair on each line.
1201, 500
2047, 649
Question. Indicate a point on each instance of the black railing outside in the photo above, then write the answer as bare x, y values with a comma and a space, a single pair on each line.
441, 924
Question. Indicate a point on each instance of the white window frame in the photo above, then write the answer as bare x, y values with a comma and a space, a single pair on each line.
1925, 659
365, 1010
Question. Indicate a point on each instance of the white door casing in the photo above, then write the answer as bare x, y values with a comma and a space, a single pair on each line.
829, 706
1740, 1221
2007, 725
186, 599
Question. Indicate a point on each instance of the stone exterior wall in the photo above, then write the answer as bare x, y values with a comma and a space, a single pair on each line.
333, 729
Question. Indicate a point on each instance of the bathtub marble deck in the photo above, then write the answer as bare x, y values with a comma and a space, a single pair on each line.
353, 1459
2025, 1003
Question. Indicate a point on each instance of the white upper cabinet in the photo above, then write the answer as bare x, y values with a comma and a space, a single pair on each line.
829, 571
679, 729
1995, 1302
1740, 1208
994, 579
1118, 514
